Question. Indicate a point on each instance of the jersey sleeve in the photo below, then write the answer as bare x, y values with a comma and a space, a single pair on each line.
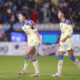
32, 24
69, 28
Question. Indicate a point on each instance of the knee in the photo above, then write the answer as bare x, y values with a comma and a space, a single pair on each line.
60, 60
32, 57
60, 57
33, 60
27, 58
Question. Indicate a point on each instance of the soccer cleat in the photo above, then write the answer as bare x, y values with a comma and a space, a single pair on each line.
35, 75
56, 75
21, 73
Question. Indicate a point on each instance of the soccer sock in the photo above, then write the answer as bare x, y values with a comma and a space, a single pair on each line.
36, 66
76, 61
60, 64
26, 63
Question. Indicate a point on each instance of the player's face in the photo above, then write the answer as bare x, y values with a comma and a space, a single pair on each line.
21, 18
60, 15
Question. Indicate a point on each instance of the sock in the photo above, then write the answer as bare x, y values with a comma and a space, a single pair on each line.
60, 64
76, 61
26, 63
36, 66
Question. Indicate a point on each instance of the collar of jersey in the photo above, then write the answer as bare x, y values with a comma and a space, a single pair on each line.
25, 22
63, 21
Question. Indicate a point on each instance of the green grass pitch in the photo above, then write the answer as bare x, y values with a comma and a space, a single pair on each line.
11, 65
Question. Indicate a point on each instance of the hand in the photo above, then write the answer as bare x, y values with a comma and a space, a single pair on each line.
40, 43
64, 40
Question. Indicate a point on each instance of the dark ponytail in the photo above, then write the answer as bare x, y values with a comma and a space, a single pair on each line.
24, 14
66, 14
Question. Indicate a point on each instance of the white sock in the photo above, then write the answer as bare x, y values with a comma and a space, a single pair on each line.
77, 63
25, 66
36, 66
60, 64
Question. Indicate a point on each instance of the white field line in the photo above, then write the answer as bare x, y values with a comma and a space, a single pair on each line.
16, 75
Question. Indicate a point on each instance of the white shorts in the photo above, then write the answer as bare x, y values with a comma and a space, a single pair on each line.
33, 43
66, 46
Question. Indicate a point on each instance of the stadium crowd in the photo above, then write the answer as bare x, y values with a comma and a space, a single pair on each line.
40, 11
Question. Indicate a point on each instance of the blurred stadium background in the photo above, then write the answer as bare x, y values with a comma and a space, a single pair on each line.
44, 14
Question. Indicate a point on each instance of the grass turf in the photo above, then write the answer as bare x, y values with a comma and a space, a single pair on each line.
11, 65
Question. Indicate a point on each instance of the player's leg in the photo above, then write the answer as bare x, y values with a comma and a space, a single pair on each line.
62, 51
60, 64
69, 48
27, 59
35, 63
73, 58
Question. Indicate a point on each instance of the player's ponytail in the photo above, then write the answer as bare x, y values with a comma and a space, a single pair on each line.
24, 14
66, 14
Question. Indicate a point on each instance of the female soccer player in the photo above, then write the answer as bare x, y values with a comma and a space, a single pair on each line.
33, 42
65, 43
